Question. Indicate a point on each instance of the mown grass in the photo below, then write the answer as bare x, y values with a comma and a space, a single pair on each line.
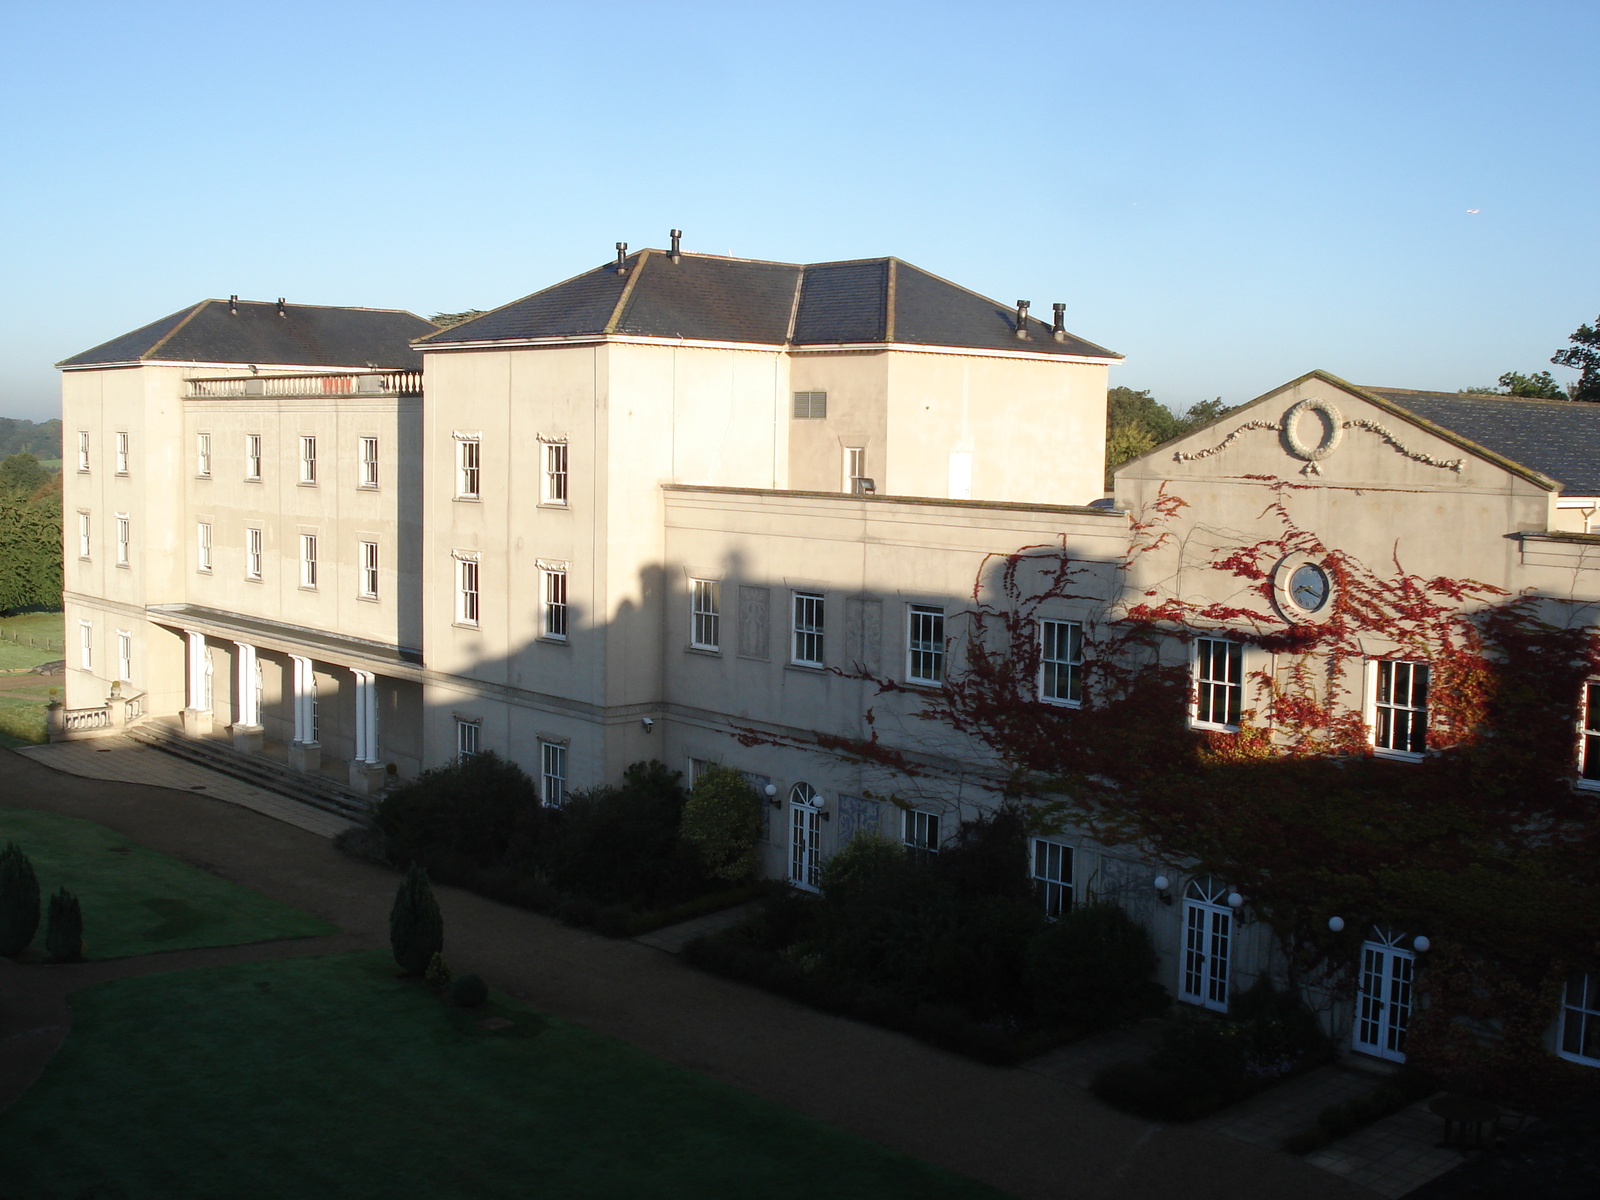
331, 1077
45, 628
22, 710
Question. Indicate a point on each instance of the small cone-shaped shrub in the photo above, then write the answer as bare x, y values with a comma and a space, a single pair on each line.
63, 935
416, 931
438, 974
19, 900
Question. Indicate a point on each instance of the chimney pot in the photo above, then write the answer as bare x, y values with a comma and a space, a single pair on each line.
677, 244
1058, 329
1022, 318
622, 254
233, 305
282, 304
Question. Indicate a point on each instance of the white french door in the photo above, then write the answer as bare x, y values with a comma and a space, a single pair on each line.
1383, 1006
805, 838
1207, 938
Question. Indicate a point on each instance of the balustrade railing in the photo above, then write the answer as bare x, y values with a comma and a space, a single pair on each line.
371, 383
79, 720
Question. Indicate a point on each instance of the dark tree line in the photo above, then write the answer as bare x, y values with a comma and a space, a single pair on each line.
30, 534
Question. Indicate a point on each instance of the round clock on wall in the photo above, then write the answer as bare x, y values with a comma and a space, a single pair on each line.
1309, 587
1302, 588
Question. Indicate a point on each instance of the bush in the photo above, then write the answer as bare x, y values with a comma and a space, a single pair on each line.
63, 936
722, 821
1093, 968
19, 900
438, 975
620, 844
416, 929
479, 805
988, 857
1151, 1091
365, 842
468, 991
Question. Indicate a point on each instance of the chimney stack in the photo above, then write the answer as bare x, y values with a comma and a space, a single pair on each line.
1022, 318
1059, 329
233, 305
677, 245
622, 254
281, 305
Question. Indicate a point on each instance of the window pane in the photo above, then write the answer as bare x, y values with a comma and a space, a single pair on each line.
808, 615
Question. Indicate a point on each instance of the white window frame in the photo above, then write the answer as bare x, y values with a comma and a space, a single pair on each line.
252, 552
202, 455
83, 450
1061, 663
1580, 1019
468, 597
125, 655
1210, 688
369, 462
252, 458
1205, 967
705, 614
84, 543
469, 468
925, 645
920, 833
555, 613
855, 468
367, 582
1380, 729
202, 546
555, 472
1589, 736
807, 628
308, 561
1385, 986
805, 837
552, 773
810, 406
1051, 868
308, 459
124, 540
469, 736
86, 645
122, 452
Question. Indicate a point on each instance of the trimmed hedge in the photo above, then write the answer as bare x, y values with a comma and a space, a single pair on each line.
1401, 1090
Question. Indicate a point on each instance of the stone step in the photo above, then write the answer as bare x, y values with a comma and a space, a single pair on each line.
263, 773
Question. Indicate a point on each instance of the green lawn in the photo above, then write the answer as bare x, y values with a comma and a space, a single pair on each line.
136, 901
45, 628
330, 1077
22, 709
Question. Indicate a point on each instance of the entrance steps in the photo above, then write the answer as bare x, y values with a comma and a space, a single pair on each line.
319, 791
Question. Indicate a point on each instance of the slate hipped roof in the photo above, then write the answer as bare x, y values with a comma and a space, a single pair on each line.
306, 335
704, 297
1558, 438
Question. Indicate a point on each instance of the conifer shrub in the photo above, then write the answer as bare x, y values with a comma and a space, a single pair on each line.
19, 900
1093, 967
416, 929
722, 821
469, 991
63, 936
438, 975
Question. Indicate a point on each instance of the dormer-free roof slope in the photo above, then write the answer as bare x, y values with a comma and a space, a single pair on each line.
304, 335
708, 298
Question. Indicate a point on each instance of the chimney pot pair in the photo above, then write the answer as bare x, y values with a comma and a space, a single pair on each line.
1058, 328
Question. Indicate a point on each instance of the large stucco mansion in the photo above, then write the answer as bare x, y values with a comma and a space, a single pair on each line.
678, 506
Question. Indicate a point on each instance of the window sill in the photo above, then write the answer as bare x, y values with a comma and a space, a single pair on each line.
1398, 755
205, 477
559, 504
366, 487
122, 474
252, 479
1060, 703
252, 579
1212, 726
124, 566
808, 667
472, 625
307, 483
83, 558
306, 588
925, 685
554, 639
202, 570
1578, 1058
708, 651
367, 599
468, 499
1587, 785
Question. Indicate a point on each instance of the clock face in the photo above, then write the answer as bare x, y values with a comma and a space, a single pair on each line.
1308, 587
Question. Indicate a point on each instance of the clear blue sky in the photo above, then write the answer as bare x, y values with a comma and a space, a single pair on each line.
1229, 194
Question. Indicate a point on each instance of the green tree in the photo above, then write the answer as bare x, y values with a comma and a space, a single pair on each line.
63, 936
416, 930
21, 475
1137, 422
19, 900
30, 549
451, 320
1513, 383
1584, 356
722, 820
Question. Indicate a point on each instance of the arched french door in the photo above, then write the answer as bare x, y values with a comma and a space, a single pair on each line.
1207, 940
1383, 1005
805, 837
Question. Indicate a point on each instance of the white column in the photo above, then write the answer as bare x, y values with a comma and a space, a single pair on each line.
372, 720
246, 671
197, 668
366, 717
302, 698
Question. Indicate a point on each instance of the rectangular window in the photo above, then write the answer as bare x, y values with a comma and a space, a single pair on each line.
855, 469
467, 738
202, 455
705, 614
252, 456
83, 449
252, 554
555, 472
1580, 1020
810, 406
1400, 708
369, 462
308, 560
468, 461
1061, 662
123, 533
925, 644
807, 640
369, 570
122, 453
1219, 683
466, 592
553, 773
83, 535
554, 580
308, 460
1589, 733
125, 655
86, 645
202, 545
921, 836
1052, 876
